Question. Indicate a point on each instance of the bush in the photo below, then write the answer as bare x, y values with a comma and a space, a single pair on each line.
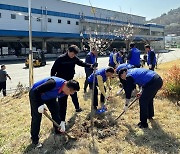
171, 87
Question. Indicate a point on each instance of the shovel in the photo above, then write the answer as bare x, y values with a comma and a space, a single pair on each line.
128, 107
56, 124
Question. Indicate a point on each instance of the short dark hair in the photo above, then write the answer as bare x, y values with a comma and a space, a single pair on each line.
114, 49
121, 71
2, 65
93, 49
110, 69
132, 45
122, 53
147, 46
74, 48
73, 84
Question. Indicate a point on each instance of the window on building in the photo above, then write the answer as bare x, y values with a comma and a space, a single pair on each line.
13, 16
77, 23
0, 15
26, 17
84, 28
68, 22
49, 20
38, 19
59, 20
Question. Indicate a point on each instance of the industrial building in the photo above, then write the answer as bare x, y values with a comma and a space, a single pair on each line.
56, 24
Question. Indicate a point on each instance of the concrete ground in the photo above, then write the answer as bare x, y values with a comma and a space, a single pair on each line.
19, 73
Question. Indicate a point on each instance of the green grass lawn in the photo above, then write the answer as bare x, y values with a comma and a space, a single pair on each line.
110, 136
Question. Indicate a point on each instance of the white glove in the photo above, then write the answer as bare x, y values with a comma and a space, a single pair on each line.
119, 92
42, 108
126, 104
150, 66
63, 129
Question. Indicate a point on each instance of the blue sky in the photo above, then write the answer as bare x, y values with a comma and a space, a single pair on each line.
147, 8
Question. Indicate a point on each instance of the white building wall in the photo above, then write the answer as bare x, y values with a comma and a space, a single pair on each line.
59, 6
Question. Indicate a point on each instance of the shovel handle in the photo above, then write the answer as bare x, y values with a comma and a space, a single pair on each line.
54, 122
128, 107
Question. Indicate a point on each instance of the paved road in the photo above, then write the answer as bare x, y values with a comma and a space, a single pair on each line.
20, 74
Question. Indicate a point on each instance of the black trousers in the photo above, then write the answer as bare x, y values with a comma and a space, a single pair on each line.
152, 68
63, 101
95, 99
63, 105
3, 87
53, 107
88, 73
146, 99
112, 65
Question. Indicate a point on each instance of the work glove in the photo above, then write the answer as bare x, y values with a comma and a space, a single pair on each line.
150, 66
139, 94
42, 108
119, 92
62, 124
126, 104
94, 65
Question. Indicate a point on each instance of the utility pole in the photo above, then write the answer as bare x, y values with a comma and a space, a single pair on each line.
31, 75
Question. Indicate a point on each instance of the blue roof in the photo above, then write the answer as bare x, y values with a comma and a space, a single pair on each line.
17, 33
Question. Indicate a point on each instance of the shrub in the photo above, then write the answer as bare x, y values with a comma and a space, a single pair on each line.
171, 87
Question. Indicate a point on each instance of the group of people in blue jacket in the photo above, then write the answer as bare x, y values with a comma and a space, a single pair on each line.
45, 93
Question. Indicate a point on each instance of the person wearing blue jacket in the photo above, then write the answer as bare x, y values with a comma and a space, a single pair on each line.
150, 82
151, 59
44, 92
113, 58
101, 76
120, 57
134, 56
124, 65
91, 58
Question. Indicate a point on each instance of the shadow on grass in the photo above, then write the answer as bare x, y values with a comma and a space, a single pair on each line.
87, 96
55, 143
58, 144
156, 139
175, 100
71, 122
52, 145
93, 147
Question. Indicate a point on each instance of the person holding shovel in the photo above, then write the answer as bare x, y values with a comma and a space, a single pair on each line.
101, 76
45, 92
150, 82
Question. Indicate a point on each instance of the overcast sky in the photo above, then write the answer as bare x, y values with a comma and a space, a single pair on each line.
147, 8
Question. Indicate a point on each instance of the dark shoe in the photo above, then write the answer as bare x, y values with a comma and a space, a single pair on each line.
95, 107
142, 125
151, 118
36, 144
57, 132
78, 110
